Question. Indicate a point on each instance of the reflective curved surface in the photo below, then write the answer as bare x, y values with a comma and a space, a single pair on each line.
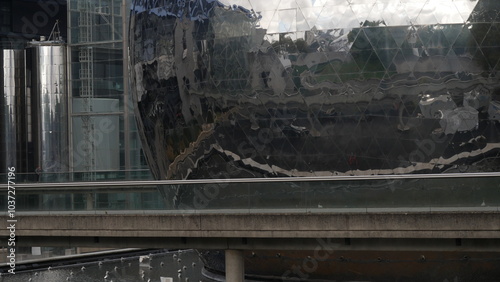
49, 88
11, 117
256, 88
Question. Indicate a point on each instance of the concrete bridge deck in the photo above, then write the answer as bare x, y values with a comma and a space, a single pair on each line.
258, 230
137, 214
442, 213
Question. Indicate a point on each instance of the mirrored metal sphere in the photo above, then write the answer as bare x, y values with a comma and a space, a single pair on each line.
316, 87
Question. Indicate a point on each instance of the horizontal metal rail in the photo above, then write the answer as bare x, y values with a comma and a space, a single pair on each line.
122, 184
85, 189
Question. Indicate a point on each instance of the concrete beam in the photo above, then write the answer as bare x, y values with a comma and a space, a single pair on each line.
344, 244
223, 230
274, 225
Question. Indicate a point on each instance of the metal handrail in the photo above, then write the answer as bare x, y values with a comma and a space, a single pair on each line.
121, 184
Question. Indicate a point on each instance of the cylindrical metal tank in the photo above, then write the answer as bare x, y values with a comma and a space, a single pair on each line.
12, 115
50, 106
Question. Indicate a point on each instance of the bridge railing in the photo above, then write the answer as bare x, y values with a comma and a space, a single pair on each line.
51, 177
477, 191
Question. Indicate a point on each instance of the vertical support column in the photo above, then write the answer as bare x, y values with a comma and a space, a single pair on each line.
235, 266
126, 81
69, 101
90, 201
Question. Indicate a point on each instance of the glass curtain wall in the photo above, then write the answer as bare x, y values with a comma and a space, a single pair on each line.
104, 137
5, 19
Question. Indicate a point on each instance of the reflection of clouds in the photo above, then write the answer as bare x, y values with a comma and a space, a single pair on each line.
392, 13
335, 14
286, 20
303, 15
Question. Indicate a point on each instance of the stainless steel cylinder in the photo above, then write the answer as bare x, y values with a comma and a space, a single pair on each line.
12, 115
49, 90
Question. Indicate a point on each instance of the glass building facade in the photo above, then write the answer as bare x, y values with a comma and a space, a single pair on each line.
104, 136
5, 16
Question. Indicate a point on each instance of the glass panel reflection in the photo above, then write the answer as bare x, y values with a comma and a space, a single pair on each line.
262, 195
254, 88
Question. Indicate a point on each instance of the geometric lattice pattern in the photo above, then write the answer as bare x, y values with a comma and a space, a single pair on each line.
249, 88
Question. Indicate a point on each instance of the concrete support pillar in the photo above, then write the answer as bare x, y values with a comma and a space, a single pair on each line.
90, 201
235, 266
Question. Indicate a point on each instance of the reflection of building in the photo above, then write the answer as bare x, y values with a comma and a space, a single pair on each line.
210, 77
